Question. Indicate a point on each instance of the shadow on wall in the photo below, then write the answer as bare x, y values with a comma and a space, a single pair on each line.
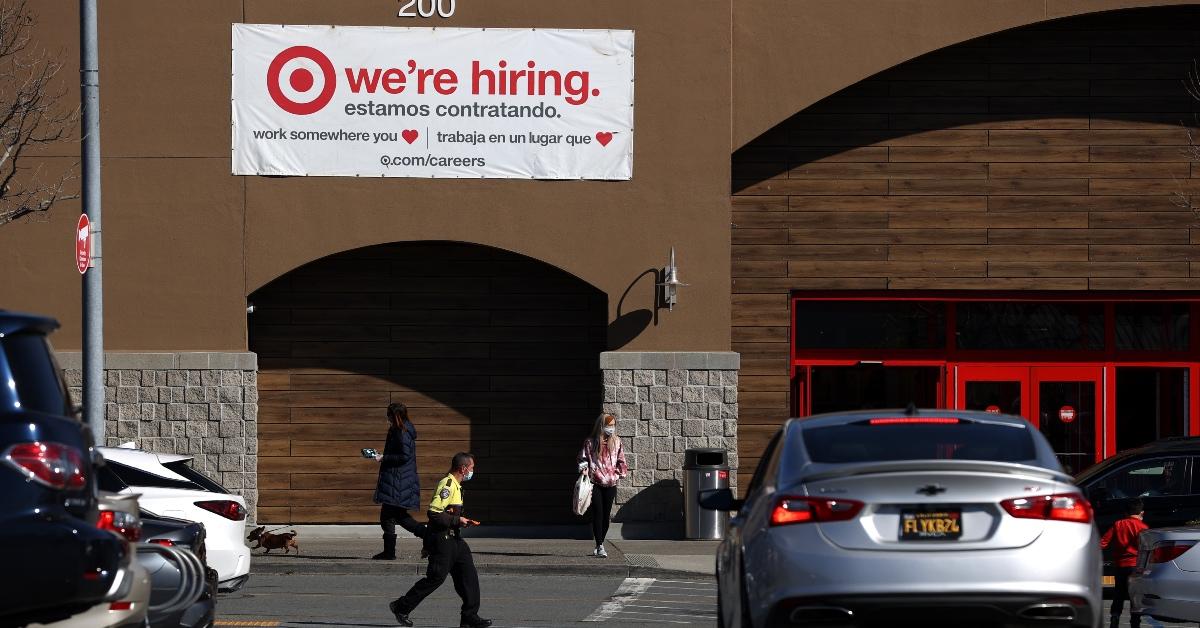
629, 325
493, 352
659, 502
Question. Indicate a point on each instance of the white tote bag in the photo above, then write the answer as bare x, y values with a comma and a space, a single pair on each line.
583, 493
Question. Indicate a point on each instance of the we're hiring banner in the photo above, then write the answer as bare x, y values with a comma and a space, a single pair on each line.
432, 102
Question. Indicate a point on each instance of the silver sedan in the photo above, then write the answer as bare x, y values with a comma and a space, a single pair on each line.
1166, 584
900, 518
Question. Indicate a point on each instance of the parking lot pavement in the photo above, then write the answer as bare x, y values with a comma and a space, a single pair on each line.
514, 601
662, 602
1147, 622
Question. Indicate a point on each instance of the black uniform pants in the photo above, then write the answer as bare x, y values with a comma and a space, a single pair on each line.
390, 515
1120, 594
602, 503
449, 555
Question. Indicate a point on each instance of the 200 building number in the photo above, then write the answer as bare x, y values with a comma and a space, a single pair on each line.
427, 8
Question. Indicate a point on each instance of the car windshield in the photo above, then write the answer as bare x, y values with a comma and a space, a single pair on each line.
902, 439
137, 478
182, 468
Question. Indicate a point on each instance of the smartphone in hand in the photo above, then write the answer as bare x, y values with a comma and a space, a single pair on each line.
367, 452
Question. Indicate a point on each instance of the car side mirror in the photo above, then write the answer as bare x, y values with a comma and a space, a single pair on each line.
720, 499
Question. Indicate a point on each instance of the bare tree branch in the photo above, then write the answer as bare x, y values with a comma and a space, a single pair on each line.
32, 113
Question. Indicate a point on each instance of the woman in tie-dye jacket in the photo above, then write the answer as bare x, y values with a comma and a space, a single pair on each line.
603, 457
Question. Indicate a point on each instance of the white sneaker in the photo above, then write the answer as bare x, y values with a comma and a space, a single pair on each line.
601, 553
596, 552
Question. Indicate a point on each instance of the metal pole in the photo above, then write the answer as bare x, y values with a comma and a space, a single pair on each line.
93, 292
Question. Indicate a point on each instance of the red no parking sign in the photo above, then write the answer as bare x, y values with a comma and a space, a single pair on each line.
83, 244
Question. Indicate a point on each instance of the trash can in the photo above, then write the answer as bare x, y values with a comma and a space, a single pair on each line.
703, 469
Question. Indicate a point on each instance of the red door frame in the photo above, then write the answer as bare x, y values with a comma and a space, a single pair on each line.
1104, 420
950, 358
802, 377
963, 373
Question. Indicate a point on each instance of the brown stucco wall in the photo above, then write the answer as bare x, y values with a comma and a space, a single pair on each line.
185, 241
788, 54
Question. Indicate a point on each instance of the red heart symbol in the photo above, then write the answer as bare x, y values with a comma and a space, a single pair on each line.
409, 135
604, 137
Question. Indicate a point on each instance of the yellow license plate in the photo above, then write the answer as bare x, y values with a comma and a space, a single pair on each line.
925, 525
1110, 581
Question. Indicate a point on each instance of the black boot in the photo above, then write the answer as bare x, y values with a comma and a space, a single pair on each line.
399, 612
389, 548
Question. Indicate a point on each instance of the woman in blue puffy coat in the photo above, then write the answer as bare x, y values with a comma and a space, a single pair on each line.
398, 489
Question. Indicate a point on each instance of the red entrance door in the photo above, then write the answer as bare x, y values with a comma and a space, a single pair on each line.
1068, 402
1064, 402
999, 389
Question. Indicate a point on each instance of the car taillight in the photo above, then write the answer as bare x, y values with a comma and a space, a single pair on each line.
1168, 551
789, 510
1061, 507
226, 508
162, 542
120, 606
49, 464
122, 523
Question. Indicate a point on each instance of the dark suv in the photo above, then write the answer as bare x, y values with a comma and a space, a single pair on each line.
48, 511
1162, 474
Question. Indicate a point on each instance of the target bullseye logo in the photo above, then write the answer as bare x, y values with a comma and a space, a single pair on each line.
301, 80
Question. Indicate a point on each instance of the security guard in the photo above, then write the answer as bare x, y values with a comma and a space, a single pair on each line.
448, 553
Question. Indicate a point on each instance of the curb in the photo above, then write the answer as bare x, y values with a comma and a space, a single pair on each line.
418, 569
665, 531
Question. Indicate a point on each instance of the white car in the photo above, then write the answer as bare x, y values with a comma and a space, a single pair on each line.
1166, 583
169, 487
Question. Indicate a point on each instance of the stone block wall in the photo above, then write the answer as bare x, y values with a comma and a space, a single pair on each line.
667, 403
203, 405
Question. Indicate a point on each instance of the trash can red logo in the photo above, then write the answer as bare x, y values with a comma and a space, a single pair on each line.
309, 82
1066, 414
83, 244
994, 409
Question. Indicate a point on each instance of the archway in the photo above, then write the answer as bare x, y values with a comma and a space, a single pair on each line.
1054, 158
495, 353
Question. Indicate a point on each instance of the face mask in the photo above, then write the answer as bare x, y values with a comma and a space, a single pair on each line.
470, 474
609, 431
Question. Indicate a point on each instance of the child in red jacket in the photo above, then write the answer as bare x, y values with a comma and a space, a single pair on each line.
1123, 539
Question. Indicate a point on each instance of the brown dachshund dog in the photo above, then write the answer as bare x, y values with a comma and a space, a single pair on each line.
287, 540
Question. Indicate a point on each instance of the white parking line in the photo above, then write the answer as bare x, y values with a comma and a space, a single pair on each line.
649, 600
657, 618
628, 592
667, 608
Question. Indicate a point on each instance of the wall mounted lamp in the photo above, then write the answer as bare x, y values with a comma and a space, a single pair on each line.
670, 283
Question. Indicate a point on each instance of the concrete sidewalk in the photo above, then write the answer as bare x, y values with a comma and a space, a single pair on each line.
322, 553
